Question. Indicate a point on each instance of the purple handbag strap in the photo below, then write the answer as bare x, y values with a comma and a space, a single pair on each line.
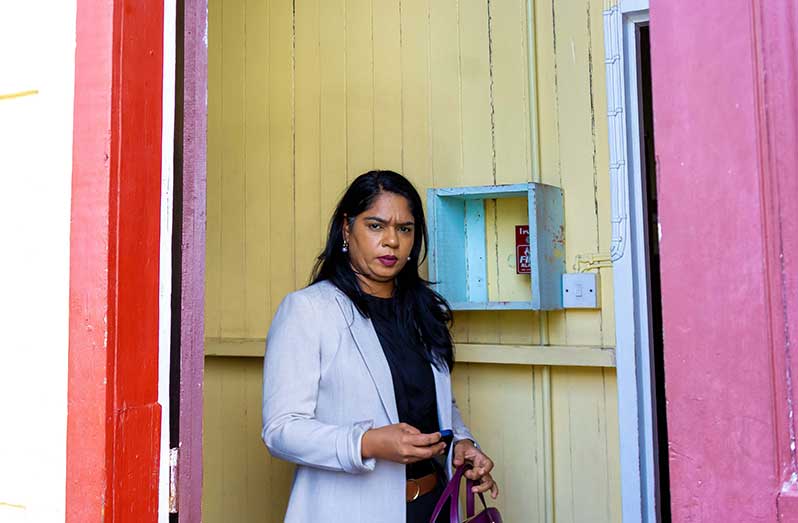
470, 499
452, 491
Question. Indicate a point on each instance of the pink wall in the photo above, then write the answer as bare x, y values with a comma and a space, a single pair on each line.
725, 140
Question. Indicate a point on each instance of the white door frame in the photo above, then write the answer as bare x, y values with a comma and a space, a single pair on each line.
165, 273
635, 371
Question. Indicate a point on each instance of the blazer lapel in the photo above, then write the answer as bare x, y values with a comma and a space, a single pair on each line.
370, 349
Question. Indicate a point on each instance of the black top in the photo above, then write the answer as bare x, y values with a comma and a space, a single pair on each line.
413, 381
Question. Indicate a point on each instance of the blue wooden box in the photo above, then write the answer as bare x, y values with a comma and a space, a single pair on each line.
457, 250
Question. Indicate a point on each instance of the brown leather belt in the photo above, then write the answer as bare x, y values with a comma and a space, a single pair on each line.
423, 485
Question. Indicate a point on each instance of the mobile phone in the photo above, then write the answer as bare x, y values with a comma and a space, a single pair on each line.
446, 436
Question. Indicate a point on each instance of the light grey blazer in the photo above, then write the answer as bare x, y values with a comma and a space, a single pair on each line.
325, 383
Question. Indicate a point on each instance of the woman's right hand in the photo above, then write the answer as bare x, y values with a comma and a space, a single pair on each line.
401, 443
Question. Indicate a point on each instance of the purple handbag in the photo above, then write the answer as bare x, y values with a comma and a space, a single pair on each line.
452, 491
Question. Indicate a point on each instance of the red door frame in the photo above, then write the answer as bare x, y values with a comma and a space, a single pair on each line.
726, 127
114, 419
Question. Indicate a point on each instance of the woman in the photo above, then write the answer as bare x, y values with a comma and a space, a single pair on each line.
356, 384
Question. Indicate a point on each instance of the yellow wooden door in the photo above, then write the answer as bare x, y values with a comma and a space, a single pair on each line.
304, 96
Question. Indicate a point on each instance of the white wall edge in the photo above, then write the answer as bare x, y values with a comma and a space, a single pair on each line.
165, 276
638, 492
631, 6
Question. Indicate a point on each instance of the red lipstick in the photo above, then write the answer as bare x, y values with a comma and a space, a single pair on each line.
388, 261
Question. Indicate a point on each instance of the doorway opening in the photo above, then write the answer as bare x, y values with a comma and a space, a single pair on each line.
649, 192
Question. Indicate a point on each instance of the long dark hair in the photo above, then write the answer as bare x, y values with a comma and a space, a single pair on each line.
419, 306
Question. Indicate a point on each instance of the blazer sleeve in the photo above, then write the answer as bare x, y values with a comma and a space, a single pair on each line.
461, 431
291, 374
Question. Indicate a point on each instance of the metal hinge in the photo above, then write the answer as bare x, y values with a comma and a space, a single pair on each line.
173, 481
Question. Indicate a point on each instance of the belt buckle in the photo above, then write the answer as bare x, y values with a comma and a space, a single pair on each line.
418, 488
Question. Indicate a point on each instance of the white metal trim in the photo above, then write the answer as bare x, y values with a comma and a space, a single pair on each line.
628, 253
613, 49
642, 300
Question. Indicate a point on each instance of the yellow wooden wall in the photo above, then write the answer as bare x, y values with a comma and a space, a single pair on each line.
306, 95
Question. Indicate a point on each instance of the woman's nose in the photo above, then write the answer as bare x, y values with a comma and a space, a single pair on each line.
390, 239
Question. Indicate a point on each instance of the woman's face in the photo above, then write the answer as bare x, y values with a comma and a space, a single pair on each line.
380, 240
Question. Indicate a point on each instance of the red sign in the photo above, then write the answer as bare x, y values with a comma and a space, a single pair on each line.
522, 261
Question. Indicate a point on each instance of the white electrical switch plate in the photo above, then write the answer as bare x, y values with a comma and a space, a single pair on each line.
580, 290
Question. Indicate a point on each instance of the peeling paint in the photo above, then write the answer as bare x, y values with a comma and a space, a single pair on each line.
592, 98
492, 97
556, 85
205, 34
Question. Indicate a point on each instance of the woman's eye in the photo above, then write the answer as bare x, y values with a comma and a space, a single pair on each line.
405, 229
375, 226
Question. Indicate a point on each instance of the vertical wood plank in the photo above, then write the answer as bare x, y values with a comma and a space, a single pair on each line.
582, 454
512, 387
510, 92
607, 295
613, 479
475, 94
482, 325
257, 469
233, 286
333, 132
583, 327
459, 328
544, 441
308, 235
601, 165
256, 178
565, 466
234, 455
417, 146
599, 125
461, 390
513, 148
242, 481
520, 327
192, 260
387, 85
547, 83
445, 113
212, 444
281, 145
359, 88
213, 249
446, 121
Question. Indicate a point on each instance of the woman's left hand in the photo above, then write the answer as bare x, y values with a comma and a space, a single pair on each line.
465, 451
